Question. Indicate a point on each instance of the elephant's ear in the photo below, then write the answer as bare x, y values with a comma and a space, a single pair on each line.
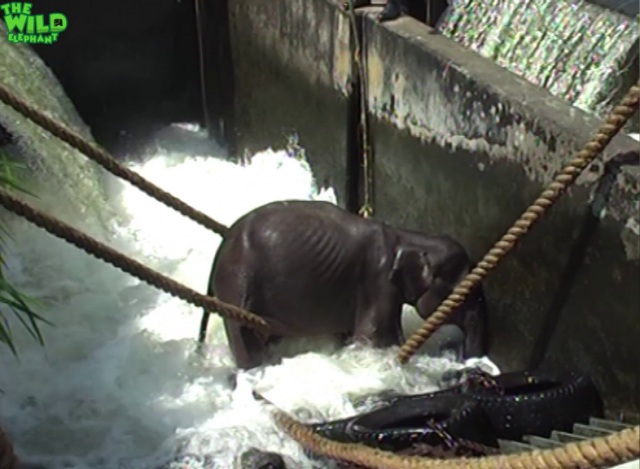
411, 273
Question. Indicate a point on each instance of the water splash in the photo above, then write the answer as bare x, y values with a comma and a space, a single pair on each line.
118, 384
576, 50
78, 181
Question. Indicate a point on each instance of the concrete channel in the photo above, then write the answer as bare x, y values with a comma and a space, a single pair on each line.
460, 146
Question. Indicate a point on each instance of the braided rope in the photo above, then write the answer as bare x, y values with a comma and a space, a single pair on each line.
618, 118
595, 453
366, 211
108, 162
107, 254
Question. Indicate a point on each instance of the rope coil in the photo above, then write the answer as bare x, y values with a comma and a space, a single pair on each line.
366, 211
108, 162
618, 118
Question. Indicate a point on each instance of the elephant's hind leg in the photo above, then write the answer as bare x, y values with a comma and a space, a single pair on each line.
247, 348
233, 283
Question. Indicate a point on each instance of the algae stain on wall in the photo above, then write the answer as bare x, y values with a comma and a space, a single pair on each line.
342, 58
459, 119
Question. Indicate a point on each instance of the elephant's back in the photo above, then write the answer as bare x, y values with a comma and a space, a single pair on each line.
280, 221
304, 257
284, 209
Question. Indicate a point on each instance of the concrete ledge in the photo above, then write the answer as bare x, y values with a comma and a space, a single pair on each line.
440, 91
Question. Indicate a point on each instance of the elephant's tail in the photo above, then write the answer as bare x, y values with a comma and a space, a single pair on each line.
204, 321
204, 324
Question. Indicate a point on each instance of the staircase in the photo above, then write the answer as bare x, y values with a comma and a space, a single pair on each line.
596, 427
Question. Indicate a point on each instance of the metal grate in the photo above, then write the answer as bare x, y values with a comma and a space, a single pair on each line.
595, 428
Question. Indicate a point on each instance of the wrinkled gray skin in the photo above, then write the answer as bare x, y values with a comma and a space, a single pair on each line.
312, 268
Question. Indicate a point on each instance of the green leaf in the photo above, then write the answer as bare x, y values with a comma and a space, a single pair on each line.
5, 336
21, 305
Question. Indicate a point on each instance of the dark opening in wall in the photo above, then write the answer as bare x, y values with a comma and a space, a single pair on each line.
129, 67
427, 11
434, 10
218, 77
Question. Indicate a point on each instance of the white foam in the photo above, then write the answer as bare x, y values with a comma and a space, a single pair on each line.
118, 384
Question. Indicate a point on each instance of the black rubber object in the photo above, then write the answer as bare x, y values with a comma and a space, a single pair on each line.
538, 402
356, 4
514, 405
409, 421
528, 402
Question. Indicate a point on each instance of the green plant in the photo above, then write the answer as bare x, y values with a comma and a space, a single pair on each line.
16, 302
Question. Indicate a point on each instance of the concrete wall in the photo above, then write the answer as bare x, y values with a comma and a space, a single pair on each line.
472, 145
292, 65
463, 147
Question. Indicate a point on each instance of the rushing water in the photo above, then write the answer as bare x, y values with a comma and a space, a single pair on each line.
51, 161
118, 383
574, 49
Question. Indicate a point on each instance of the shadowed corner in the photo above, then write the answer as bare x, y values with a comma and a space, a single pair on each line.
575, 261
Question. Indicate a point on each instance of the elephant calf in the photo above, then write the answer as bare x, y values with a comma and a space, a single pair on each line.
312, 268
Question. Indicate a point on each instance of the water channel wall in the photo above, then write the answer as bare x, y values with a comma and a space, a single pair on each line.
461, 146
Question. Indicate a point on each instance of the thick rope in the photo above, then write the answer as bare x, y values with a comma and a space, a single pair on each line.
201, 62
620, 115
8, 459
108, 162
366, 211
594, 453
130, 266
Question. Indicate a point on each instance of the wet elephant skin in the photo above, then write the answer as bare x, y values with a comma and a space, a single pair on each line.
311, 268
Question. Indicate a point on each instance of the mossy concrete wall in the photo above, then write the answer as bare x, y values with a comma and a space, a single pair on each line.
461, 146
293, 72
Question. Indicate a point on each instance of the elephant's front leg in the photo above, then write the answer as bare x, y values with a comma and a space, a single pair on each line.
378, 317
